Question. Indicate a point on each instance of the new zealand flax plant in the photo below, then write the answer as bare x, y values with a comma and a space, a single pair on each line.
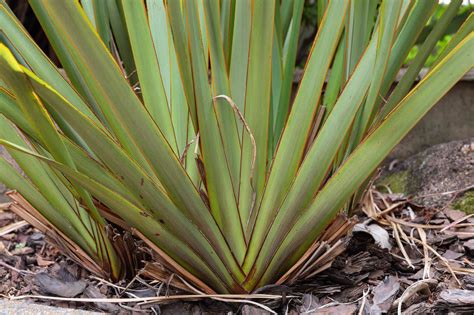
178, 121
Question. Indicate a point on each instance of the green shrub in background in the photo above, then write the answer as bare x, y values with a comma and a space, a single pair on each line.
463, 12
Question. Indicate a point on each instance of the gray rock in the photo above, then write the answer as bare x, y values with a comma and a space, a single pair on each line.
60, 287
27, 308
428, 175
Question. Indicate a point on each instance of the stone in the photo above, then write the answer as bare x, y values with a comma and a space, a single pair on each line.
434, 177
59, 287
27, 308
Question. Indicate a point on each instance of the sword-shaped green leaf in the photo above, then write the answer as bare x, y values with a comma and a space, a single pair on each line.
155, 230
368, 155
148, 69
298, 126
414, 68
318, 160
219, 187
143, 186
257, 109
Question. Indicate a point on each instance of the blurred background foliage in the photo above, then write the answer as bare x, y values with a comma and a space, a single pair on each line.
310, 22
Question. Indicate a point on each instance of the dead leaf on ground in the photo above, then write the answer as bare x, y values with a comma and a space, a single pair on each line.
43, 262
384, 294
379, 234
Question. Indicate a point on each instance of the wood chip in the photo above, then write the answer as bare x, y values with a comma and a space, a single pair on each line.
469, 246
94, 292
458, 296
384, 294
454, 215
452, 255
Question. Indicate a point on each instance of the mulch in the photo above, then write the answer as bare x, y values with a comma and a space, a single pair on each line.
398, 251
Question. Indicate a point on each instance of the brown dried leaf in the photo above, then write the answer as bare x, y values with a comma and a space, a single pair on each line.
43, 262
384, 294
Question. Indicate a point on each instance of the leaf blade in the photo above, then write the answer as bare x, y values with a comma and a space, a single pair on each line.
372, 151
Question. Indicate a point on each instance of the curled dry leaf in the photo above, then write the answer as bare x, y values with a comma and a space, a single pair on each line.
379, 234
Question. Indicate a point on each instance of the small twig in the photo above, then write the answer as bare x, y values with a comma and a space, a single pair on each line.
424, 226
106, 282
403, 234
453, 224
364, 300
13, 227
153, 299
247, 127
156, 287
5, 206
182, 159
426, 257
254, 148
464, 271
411, 290
127, 287
446, 263
287, 309
225, 300
443, 193
15, 269
169, 282
387, 210
392, 164
335, 303
127, 76
400, 245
